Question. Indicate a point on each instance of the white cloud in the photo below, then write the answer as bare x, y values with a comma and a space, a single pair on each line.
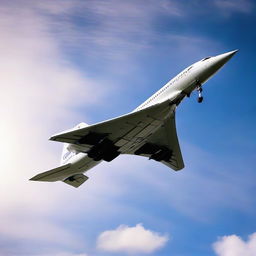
131, 240
233, 245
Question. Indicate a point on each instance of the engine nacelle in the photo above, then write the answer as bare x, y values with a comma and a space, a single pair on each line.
104, 150
156, 152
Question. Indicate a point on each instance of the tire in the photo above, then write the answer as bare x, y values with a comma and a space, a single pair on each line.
200, 99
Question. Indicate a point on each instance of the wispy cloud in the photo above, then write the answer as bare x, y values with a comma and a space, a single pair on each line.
100, 30
62, 254
38, 230
40, 91
212, 184
206, 181
234, 245
234, 6
131, 240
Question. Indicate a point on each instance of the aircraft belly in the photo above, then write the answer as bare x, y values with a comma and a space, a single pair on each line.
190, 86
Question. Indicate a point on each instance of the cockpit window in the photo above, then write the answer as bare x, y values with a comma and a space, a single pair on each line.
206, 58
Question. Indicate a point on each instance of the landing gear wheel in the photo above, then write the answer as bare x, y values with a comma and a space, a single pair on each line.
200, 99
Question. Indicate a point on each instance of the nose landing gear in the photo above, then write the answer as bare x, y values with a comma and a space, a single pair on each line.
200, 97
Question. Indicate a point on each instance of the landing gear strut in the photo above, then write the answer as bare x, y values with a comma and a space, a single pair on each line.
200, 97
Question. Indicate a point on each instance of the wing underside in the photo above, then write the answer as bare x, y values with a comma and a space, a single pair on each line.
150, 132
163, 145
70, 173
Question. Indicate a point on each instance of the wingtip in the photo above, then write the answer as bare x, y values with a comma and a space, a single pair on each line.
55, 136
37, 177
34, 178
52, 138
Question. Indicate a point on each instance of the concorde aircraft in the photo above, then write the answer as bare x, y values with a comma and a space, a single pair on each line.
148, 131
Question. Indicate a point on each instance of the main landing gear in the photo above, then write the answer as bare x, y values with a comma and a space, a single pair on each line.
200, 97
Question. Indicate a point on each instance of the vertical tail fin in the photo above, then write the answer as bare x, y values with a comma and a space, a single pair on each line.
66, 151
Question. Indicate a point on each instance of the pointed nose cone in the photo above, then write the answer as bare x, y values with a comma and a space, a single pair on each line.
214, 64
224, 58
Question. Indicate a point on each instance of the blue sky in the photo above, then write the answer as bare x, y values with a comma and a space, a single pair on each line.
63, 62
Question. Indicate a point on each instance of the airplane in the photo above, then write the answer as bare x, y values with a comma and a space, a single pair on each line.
148, 131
